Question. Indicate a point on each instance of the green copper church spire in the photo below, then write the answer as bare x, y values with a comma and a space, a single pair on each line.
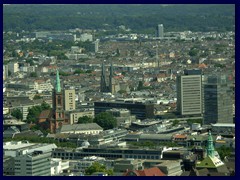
58, 85
210, 147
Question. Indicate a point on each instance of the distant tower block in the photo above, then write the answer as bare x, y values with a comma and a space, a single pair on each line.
160, 32
157, 63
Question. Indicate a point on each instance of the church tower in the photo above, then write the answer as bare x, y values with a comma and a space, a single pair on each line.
111, 80
103, 85
210, 148
58, 106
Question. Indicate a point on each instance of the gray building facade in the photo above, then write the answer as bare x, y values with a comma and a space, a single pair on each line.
218, 104
160, 31
189, 93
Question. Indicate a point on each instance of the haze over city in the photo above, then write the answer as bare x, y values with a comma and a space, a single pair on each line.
119, 90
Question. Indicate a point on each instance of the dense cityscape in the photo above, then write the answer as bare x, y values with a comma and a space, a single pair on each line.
116, 97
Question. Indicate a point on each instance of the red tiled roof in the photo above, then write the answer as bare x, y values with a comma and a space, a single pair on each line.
180, 136
44, 114
147, 172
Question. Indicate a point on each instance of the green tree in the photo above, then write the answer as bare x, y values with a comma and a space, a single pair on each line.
175, 122
78, 71
97, 167
105, 120
17, 114
33, 74
191, 121
122, 91
35, 111
45, 106
84, 120
37, 96
33, 114
193, 52
89, 71
224, 151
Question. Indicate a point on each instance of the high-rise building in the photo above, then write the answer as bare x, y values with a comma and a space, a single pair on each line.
217, 100
69, 100
160, 32
189, 93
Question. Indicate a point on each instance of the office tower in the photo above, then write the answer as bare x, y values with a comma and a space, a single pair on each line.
160, 31
69, 100
58, 111
189, 93
217, 100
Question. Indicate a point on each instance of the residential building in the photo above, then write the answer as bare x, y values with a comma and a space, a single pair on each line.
75, 115
5, 72
86, 37
13, 67
69, 99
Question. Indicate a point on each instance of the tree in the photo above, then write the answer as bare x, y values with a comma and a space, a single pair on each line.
78, 71
37, 96
224, 151
17, 114
84, 120
33, 74
45, 106
175, 122
105, 120
33, 114
193, 52
97, 167
121, 91
35, 111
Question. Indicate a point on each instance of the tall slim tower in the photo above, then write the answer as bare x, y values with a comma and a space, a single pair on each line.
157, 58
160, 32
111, 80
103, 85
58, 106
210, 148
189, 93
218, 104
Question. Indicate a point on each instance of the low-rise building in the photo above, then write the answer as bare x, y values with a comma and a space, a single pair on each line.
89, 128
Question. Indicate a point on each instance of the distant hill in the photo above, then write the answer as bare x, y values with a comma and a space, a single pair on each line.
139, 18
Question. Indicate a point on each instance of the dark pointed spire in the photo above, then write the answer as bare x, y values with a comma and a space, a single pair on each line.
111, 70
103, 85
